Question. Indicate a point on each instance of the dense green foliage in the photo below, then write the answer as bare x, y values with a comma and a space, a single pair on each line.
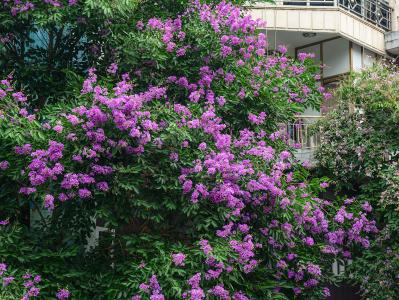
41, 46
173, 143
360, 152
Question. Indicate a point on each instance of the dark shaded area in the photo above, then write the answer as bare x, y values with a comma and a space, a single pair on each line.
344, 292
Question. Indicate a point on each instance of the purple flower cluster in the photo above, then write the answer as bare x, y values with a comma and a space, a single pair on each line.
3, 268
20, 6
30, 284
63, 294
153, 288
178, 259
125, 112
248, 175
196, 292
4, 165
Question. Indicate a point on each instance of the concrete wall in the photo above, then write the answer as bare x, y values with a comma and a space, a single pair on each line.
322, 19
336, 57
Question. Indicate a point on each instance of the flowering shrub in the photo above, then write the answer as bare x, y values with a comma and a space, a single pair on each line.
185, 161
27, 284
42, 41
359, 151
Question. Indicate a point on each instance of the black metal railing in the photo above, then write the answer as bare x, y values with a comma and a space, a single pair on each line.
377, 12
374, 11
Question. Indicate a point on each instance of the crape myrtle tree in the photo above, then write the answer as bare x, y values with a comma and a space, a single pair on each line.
179, 151
43, 41
359, 151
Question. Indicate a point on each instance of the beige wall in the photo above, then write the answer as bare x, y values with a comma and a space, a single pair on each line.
323, 19
340, 56
395, 13
336, 57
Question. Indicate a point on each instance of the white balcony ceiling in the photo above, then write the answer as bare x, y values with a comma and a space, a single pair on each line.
325, 21
294, 39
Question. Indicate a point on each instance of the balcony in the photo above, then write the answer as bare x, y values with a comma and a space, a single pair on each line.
302, 136
392, 42
376, 12
363, 22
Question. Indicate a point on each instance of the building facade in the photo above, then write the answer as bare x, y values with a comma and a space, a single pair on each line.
344, 35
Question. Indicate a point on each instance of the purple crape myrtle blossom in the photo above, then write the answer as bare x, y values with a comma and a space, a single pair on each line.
178, 259
153, 288
7, 280
127, 115
29, 284
270, 214
3, 268
4, 222
63, 294
4, 165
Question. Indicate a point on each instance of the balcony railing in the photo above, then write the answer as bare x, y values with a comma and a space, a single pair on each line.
376, 12
303, 137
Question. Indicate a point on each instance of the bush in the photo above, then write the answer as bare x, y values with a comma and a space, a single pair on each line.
184, 161
41, 42
359, 152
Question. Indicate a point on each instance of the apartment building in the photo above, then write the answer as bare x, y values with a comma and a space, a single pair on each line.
344, 35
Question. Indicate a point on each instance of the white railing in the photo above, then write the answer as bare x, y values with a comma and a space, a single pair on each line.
308, 2
377, 12
303, 137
